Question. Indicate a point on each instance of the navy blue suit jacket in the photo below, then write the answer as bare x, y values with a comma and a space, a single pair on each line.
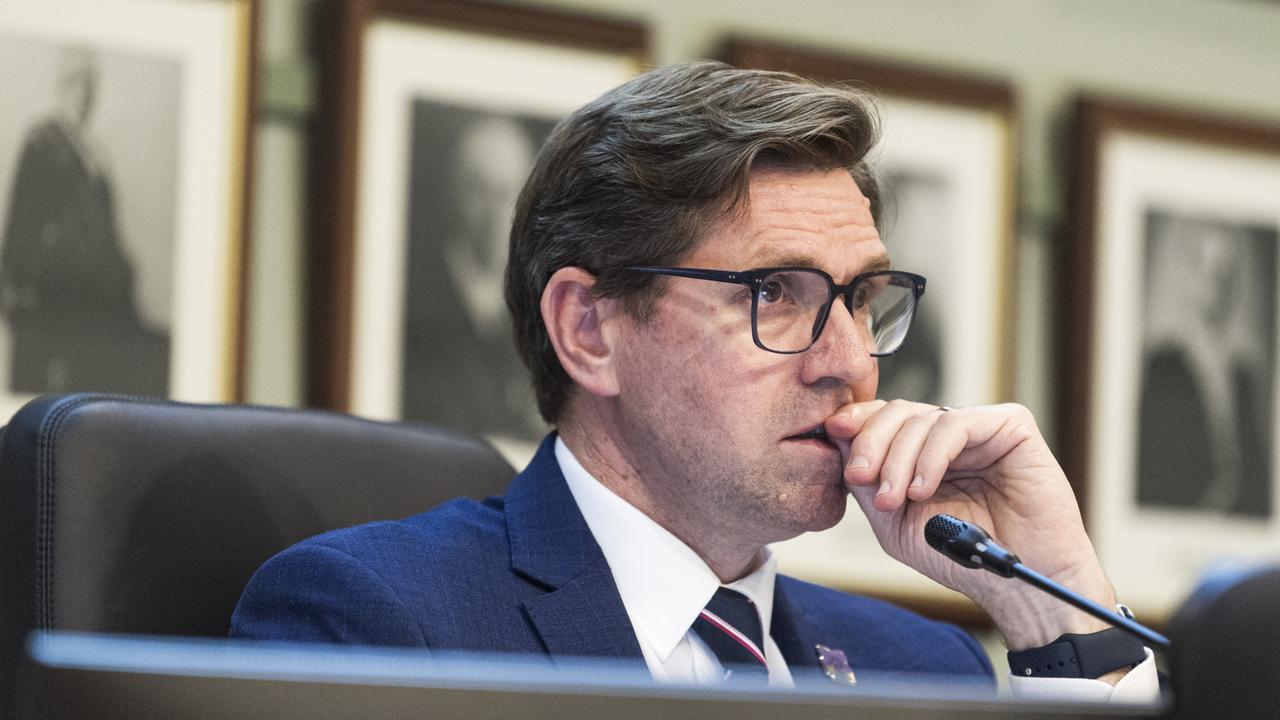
522, 573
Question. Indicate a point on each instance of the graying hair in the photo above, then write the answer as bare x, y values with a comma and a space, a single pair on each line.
637, 176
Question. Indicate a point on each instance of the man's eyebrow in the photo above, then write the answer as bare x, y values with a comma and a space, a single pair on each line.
768, 259
875, 264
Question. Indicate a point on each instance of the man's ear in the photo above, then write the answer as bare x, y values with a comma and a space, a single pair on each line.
578, 324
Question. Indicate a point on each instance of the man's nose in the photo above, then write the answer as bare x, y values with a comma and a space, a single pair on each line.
842, 351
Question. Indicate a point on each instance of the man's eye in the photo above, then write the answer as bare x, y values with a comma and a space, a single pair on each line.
771, 291
861, 294
864, 293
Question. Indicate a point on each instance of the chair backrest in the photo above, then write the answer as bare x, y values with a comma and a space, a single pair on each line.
1224, 663
126, 514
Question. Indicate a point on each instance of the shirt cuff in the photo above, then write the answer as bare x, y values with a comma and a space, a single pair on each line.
1141, 686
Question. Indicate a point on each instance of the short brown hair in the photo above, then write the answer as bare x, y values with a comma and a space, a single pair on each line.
638, 175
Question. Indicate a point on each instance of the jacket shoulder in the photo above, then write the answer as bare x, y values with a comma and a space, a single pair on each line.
432, 537
379, 583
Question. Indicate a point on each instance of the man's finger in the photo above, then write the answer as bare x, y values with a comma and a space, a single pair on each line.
847, 422
898, 471
844, 426
871, 444
948, 438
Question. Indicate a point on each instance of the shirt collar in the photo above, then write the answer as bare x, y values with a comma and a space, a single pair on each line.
662, 581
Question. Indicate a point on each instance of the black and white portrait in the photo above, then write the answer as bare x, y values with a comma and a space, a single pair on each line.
1209, 336
88, 154
460, 364
917, 206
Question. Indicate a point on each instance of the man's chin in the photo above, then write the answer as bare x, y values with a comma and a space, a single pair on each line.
831, 514
821, 511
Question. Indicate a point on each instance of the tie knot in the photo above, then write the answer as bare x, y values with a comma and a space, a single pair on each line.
730, 626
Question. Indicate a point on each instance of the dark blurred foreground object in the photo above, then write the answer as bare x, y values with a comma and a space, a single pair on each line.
1223, 666
1225, 661
108, 677
131, 515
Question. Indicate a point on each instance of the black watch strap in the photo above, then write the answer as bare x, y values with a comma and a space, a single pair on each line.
1079, 656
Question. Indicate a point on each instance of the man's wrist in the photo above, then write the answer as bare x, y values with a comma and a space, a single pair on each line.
1043, 629
1027, 617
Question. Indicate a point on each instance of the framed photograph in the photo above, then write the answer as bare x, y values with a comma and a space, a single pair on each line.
449, 104
123, 180
1168, 351
946, 164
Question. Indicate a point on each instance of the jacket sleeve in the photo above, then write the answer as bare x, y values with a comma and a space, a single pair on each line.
312, 592
981, 664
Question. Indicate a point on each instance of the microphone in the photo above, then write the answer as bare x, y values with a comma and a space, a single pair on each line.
968, 545
971, 546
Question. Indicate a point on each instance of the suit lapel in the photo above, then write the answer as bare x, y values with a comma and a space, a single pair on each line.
585, 617
794, 633
581, 614
802, 640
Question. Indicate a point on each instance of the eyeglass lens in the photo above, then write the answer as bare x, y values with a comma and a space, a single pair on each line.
790, 307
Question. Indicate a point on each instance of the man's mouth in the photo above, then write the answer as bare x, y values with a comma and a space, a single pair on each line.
813, 433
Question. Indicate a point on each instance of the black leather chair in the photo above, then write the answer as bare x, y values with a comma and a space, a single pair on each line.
1224, 662
132, 515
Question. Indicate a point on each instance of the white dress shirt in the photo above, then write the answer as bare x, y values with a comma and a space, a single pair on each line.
664, 584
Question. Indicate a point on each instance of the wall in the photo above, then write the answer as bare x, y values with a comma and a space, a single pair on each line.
1219, 56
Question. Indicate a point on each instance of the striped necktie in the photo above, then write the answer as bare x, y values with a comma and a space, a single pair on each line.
730, 626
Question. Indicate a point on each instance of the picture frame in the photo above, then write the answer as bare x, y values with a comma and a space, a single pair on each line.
125, 166
1168, 344
946, 161
410, 324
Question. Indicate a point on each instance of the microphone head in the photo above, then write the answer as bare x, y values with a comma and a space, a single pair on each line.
942, 528
968, 545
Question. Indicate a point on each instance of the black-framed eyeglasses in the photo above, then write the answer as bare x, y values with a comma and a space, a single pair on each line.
790, 305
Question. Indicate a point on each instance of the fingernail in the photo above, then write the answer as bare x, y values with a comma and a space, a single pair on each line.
917, 481
859, 462
884, 488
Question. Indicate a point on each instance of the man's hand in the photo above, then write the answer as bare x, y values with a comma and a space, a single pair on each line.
906, 462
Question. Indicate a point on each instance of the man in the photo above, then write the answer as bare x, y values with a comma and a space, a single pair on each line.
1205, 404
460, 368
66, 284
670, 279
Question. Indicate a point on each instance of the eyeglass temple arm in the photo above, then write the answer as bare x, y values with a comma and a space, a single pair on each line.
724, 276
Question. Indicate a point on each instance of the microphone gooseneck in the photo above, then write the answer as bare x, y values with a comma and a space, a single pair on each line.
971, 546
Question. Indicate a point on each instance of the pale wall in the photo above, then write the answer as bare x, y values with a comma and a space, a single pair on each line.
1218, 55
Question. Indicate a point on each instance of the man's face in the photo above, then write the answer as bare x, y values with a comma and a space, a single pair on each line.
710, 418
76, 88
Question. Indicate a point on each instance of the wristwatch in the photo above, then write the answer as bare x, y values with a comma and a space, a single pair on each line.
1081, 656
